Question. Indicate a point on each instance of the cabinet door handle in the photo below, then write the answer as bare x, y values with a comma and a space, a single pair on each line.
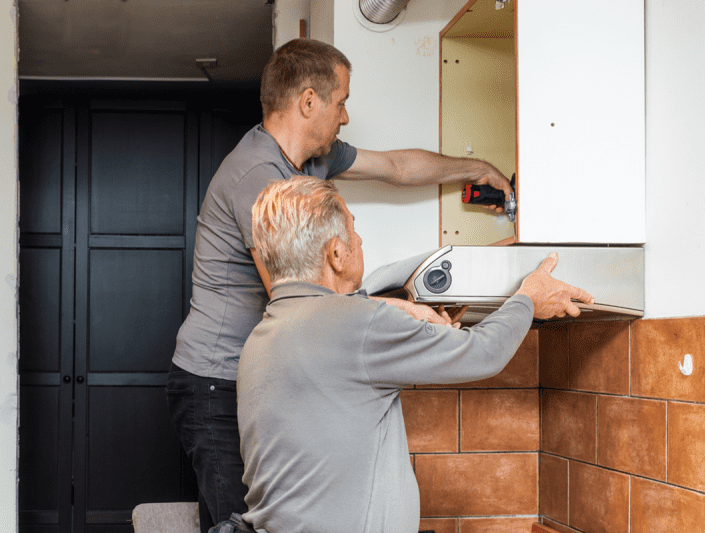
79, 379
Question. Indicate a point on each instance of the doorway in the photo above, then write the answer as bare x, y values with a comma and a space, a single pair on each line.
111, 179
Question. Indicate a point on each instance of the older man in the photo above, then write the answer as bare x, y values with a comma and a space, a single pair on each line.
322, 432
304, 89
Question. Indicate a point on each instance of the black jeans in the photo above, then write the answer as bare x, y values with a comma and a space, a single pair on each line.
204, 412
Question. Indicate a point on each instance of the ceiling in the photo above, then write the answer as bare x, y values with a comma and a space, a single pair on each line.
144, 39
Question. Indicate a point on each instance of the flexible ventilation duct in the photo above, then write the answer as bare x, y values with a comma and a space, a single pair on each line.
382, 11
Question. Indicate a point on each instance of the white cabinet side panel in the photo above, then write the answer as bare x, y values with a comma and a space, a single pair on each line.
581, 121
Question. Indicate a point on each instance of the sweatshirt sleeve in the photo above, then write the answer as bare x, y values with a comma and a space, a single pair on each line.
400, 351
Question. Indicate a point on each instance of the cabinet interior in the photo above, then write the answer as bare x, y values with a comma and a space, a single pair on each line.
478, 113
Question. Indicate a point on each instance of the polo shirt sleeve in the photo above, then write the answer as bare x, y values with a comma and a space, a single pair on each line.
340, 158
245, 194
400, 351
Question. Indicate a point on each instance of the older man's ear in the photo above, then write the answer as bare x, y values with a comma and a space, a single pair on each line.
335, 256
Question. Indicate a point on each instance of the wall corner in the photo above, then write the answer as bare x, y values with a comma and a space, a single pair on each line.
9, 191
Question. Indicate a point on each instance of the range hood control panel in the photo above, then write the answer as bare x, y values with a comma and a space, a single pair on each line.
438, 279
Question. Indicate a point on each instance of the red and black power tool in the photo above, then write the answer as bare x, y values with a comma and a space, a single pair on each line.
487, 195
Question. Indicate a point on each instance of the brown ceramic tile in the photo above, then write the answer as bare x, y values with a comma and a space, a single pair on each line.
660, 508
631, 435
560, 528
521, 371
599, 499
686, 445
431, 418
497, 525
478, 484
569, 424
553, 487
500, 420
599, 357
553, 356
657, 347
439, 525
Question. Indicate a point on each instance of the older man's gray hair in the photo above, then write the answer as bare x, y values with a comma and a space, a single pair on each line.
292, 221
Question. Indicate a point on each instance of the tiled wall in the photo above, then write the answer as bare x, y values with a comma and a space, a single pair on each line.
623, 429
475, 449
592, 426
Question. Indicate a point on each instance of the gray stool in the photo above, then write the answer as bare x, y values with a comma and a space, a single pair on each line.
177, 517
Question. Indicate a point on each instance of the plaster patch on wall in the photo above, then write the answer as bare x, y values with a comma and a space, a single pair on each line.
12, 95
11, 281
426, 46
8, 410
13, 12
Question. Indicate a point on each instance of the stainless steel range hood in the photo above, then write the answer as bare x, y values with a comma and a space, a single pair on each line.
484, 277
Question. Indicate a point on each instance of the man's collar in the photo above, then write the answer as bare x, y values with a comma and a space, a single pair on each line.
300, 289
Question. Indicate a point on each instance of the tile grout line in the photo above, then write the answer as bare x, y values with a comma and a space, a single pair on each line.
569, 384
538, 484
569, 358
597, 429
538, 455
630, 358
668, 404
460, 421
567, 511
540, 407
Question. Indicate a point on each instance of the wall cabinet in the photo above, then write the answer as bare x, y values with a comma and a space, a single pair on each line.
553, 91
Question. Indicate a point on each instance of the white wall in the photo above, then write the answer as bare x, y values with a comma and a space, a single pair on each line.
393, 104
286, 15
675, 168
8, 265
322, 20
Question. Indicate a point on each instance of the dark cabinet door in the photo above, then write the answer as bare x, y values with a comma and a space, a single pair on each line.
136, 188
110, 191
47, 188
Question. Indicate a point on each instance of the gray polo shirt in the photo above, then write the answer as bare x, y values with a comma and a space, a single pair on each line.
228, 296
321, 426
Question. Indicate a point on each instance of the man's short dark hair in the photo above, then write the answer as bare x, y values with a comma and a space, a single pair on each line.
296, 66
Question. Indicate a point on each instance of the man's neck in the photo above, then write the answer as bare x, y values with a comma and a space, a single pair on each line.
290, 139
332, 281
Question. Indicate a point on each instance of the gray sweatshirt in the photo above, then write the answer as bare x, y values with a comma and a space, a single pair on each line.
321, 425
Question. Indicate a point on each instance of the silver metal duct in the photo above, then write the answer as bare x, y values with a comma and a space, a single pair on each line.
382, 11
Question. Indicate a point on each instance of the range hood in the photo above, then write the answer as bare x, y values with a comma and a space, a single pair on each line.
484, 277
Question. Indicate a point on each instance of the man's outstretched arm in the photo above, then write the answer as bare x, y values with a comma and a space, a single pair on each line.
421, 167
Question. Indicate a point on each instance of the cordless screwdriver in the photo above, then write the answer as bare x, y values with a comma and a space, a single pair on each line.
487, 195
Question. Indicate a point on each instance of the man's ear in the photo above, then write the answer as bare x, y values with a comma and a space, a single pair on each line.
334, 254
307, 102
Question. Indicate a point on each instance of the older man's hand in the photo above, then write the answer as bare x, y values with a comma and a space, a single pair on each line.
552, 297
425, 312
